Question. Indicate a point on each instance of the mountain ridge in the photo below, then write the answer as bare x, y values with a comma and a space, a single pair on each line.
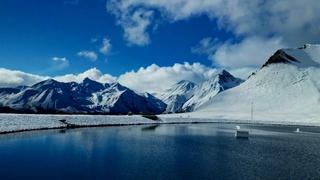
282, 85
185, 96
86, 97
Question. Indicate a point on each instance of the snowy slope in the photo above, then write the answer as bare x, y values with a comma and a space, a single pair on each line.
209, 89
86, 97
121, 100
288, 85
186, 96
178, 95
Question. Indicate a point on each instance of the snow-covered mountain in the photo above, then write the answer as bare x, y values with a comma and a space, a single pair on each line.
209, 89
86, 97
178, 95
186, 96
288, 84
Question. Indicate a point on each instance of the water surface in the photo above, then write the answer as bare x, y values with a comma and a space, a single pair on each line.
186, 151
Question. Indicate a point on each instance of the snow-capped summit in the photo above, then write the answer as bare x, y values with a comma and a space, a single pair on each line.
183, 87
89, 86
187, 96
208, 89
287, 86
306, 56
86, 97
177, 95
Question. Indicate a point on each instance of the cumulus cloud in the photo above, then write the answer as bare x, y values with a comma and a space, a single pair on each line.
92, 73
12, 78
258, 27
250, 52
152, 78
134, 22
91, 55
156, 79
106, 46
295, 21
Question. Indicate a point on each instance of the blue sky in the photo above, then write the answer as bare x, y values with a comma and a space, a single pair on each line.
142, 42
32, 32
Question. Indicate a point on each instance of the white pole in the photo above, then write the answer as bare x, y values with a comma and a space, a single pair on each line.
251, 111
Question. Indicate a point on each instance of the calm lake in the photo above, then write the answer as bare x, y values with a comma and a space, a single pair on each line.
185, 151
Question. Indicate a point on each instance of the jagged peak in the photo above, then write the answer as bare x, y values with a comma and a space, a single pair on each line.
183, 85
118, 86
280, 56
306, 56
87, 80
47, 82
224, 72
185, 82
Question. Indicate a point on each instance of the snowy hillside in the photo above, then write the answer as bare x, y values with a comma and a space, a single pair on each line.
178, 95
209, 89
186, 96
288, 85
86, 97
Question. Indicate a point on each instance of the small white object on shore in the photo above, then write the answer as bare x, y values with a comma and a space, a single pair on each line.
244, 134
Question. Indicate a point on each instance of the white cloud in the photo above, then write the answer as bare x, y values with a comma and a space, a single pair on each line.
134, 22
206, 46
91, 55
106, 46
259, 27
62, 59
59, 63
251, 52
156, 79
12, 78
295, 21
92, 73
152, 78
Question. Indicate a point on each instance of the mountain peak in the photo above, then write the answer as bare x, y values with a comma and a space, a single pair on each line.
86, 97
50, 81
225, 73
87, 80
185, 82
306, 56
90, 85
280, 56
46, 82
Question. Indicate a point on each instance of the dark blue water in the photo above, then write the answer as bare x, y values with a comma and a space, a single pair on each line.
195, 151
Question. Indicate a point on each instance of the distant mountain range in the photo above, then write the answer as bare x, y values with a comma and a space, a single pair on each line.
88, 97
287, 83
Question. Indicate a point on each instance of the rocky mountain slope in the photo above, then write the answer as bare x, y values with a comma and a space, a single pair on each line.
187, 96
86, 97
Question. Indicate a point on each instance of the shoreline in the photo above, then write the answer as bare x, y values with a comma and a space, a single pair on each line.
51, 122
